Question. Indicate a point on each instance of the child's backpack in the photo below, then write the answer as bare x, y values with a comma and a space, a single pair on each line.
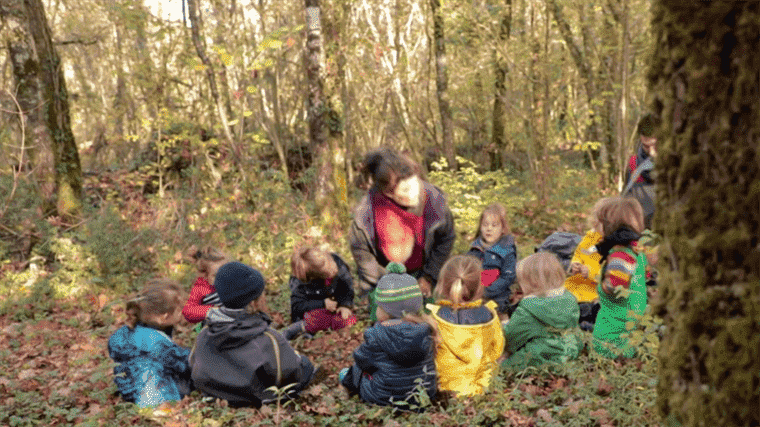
562, 244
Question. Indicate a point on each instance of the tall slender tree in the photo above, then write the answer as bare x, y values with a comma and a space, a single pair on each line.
706, 77
43, 99
442, 84
501, 68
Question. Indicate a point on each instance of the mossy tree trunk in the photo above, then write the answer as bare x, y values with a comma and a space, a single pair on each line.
42, 96
706, 77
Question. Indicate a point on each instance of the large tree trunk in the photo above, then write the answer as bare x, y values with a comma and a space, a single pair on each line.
706, 74
441, 84
41, 94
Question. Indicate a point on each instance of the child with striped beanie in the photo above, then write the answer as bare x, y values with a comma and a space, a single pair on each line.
398, 353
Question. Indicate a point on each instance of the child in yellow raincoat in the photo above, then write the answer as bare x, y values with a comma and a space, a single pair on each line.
583, 274
471, 339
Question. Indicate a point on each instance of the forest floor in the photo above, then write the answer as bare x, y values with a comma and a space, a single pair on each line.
54, 370
59, 307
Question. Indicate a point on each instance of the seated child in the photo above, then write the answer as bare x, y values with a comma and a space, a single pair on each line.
203, 295
237, 356
584, 269
495, 247
544, 326
150, 368
322, 293
471, 335
622, 288
398, 351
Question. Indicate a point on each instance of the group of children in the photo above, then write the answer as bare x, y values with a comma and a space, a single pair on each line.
489, 307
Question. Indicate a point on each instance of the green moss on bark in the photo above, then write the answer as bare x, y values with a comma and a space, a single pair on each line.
705, 74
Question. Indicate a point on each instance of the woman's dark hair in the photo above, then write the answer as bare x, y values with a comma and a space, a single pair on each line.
384, 167
647, 125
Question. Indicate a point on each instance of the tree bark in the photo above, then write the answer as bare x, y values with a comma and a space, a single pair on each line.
706, 77
441, 84
501, 69
316, 106
42, 95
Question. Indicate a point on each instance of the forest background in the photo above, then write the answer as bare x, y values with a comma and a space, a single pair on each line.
242, 126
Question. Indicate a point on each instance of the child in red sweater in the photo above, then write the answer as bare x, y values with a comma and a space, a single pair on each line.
203, 295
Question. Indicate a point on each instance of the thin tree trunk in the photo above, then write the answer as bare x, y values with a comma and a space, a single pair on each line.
441, 84
705, 75
581, 63
501, 69
42, 95
316, 107
200, 48
622, 121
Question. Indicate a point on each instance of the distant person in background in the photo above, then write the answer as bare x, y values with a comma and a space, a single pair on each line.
638, 178
495, 247
402, 219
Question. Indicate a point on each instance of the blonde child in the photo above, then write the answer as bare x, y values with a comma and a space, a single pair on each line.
398, 353
544, 325
203, 295
585, 266
237, 356
470, 331
151, 369
622, 288
322, 292
495, 247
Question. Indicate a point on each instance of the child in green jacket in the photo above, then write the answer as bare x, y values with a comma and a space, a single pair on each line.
544, 327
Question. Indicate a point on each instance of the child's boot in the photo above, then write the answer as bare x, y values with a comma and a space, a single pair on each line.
294, 330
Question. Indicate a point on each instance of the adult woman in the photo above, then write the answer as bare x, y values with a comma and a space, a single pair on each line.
403, 219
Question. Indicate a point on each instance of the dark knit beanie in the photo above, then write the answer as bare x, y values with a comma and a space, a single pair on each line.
238, 284
397, 292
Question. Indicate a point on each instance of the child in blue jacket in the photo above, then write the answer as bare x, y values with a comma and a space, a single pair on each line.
151, 369
495, 247
398, 353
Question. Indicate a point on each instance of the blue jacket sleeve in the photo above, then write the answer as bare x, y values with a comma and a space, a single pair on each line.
501, 289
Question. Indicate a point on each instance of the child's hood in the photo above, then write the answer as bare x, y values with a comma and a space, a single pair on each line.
236, 329
126, 342
557, 311
502, 246
404, 343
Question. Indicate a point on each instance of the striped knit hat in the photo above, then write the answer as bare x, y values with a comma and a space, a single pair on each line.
398, 293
